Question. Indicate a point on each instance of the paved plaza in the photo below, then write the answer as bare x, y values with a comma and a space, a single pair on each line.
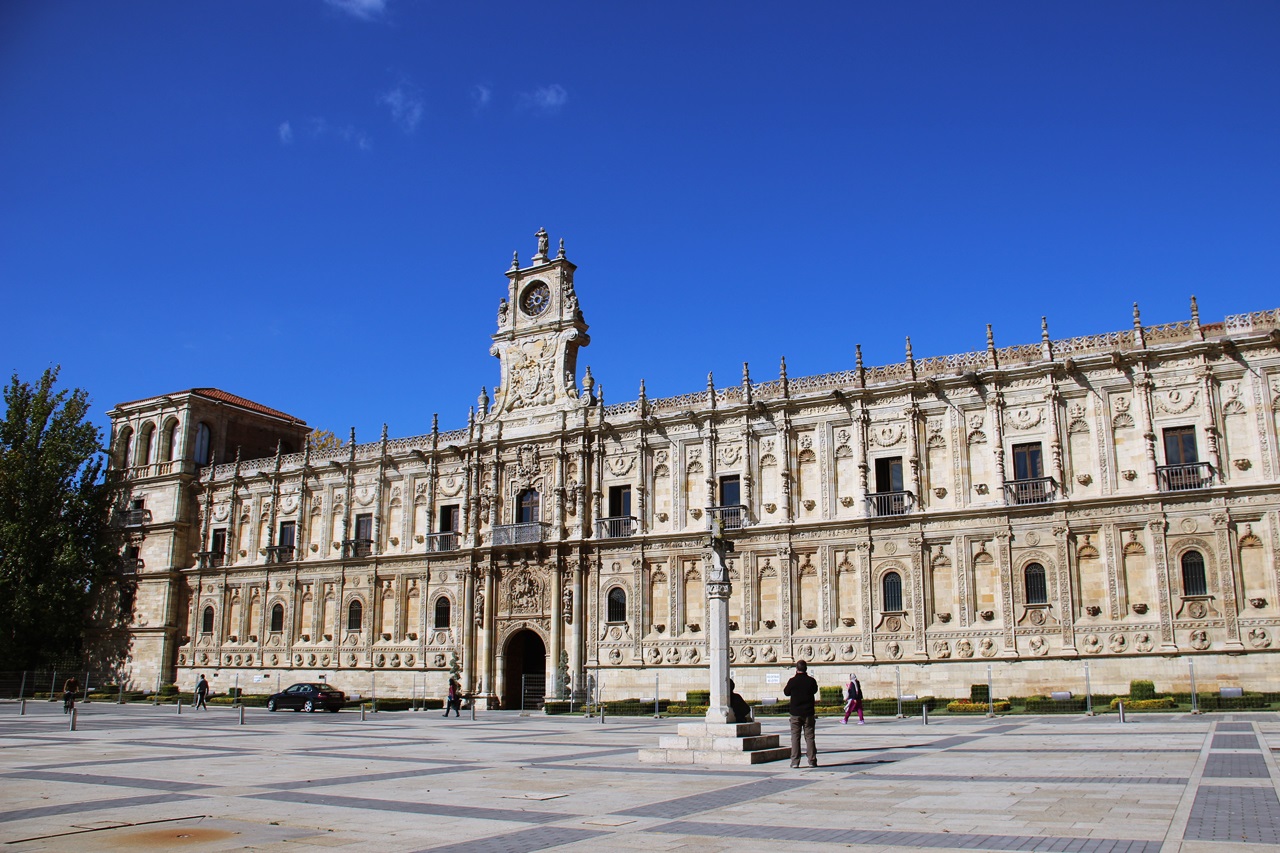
142, 777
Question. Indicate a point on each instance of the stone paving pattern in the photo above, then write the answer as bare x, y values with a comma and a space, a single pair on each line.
138, 778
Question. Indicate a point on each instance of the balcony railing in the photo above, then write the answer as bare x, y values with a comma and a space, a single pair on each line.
279, 553
889, 503
519, 534
130, 565
357, 548
1038, 490
133, 517
615, 527
732, 517
1179, 478
446, 541
211, 559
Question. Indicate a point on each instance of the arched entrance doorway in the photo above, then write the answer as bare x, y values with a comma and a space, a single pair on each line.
524, 671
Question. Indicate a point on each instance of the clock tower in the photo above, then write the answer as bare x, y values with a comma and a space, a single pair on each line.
540, 329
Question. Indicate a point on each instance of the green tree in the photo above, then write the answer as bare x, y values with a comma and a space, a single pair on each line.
60, 579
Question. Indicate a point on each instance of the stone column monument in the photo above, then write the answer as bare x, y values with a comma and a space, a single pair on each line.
720, 739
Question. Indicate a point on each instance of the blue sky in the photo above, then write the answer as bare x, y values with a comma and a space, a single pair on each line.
312, 203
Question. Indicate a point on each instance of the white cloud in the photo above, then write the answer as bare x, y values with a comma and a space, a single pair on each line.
481, 95
545, 99
406, 107
321, 129
286, 133
365, 10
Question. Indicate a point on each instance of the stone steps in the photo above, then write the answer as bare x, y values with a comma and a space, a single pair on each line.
716, 743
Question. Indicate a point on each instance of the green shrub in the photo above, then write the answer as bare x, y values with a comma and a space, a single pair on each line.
1164, 704
1142, 689
831, 696
698, 697
392, 704
962, 707
168, 690
1049, 705
555, 706
979, 694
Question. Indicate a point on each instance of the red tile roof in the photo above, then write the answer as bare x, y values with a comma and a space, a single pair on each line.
230, 399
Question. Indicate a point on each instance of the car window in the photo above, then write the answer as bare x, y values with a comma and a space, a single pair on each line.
295, 688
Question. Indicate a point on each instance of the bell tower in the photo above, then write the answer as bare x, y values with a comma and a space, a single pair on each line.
540, 329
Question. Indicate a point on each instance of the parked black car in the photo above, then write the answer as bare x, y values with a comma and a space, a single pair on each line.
308, 696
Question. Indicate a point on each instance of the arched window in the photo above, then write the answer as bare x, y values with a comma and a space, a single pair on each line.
444, 612
527, 509
277, 618
355, 615
206, 622
891, 587
168, 451
145, 436
1193, 580
124, 447
1037, 589
202, 444
617, 604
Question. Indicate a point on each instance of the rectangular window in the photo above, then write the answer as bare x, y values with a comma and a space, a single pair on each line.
219, 541
889, 474
288, 534
730, 491
449, 519
619, 501
1180, 446
1027, 463
364, 526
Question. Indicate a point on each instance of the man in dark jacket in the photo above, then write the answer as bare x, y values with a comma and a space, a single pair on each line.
802, 689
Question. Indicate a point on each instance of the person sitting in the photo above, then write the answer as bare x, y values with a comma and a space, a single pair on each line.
741, 710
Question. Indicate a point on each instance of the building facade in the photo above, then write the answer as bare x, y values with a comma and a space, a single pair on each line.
1110, 500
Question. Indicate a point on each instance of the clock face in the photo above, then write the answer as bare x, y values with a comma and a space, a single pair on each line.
535, 299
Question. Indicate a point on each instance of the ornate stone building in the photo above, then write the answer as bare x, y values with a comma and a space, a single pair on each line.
1110, 499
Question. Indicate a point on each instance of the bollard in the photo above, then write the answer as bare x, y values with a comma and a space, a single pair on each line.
23, 712
120, 700
362, 706
924, 712
601, 704
242, 715
179, 706
1120, 706
73, 719
473, 707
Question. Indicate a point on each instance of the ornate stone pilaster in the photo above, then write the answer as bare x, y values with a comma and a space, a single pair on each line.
918, 619
1004, 557
912, 415
867, 615
490, 649
1142, 387
995, 410
718, 589
1160, 557
860, 422
1066, 587
1053, 400
1228, 577
555, 611
578, 648
1212, 417
787, 580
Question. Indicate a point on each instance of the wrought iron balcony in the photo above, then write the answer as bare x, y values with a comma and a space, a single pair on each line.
279, 553
527, 533
1037, 490
1179, 478
357, 548
446, 541
133, 517
130, 565
889, 503
731, 517
211, 559
615, 527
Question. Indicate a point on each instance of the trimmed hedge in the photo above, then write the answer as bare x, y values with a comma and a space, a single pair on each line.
962, 707
979, 694
1049, 705
831, 696
1165, 704
698, 697
1142, 689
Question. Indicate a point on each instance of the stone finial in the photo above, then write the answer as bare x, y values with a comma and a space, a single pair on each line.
1046, 346
746, 374
560, 253
279, 443
588, 381
384, 434
1139, 339
435, 423
910, 358
643, 399
515, 260
482, 402
782, 376
992, 360
1195, 318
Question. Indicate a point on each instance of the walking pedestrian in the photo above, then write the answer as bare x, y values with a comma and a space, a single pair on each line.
454, 700
853, 699
202, 693
802, 688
